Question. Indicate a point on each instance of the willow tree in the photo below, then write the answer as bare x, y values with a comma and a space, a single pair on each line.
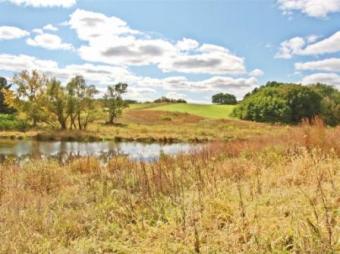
56, 102
114, 102
80, 102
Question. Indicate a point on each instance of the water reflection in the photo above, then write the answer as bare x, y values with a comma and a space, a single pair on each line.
64, 150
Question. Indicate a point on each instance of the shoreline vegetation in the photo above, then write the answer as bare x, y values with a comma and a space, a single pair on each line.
264, 194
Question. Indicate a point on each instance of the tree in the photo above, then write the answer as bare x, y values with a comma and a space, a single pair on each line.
29, 95
56, 102
224, 98
4, 107
279, 102
80, 103
114, 102
330, 103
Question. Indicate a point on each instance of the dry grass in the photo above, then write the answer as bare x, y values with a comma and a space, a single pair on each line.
263, 195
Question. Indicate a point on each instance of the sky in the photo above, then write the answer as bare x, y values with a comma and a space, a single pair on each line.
188, 49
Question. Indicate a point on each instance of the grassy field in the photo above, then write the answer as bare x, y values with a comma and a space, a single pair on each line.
204, 110
150, 122
261, 195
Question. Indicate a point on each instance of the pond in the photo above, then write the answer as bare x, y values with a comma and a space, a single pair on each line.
64, 150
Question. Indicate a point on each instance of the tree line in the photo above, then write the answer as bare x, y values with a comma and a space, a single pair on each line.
42, 99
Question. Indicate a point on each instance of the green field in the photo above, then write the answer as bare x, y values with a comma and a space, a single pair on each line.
203, 110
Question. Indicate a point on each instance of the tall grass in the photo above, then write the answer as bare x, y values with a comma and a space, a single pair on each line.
261, 195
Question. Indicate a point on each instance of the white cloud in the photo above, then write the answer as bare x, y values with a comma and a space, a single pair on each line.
110, 40
331, 64
187, 44
15, 63
313, 8
50, 27
309, 46
48, 41
45, 3
140, 87
325, 78
91, 25
290, 47
208, 58
38, 31
328, 45
256, 73
11, 32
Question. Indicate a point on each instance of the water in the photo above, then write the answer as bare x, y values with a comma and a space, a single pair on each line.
64, 150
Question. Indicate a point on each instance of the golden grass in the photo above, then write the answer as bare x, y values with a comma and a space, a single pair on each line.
262, 195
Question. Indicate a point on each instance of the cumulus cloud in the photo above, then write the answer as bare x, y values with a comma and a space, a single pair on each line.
313, 8
290, 47
330, 64
45, 3
328, 45
15, 63
208, 58
11, 32
48, 41
140, 87
50, 27
111, 41
187, 44
325, 78
256, 73
309, 46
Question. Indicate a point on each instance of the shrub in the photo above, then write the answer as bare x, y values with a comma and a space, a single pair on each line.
10, 122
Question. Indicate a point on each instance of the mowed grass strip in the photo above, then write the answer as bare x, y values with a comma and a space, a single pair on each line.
203, 110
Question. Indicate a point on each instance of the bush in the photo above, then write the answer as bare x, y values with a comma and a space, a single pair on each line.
10, 122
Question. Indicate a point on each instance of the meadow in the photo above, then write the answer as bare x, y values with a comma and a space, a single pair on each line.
264, 194
158, 122
255, 188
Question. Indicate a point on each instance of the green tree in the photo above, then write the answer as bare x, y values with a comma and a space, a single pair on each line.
114, 102
330, 103
80, 102
279, 102
224, 98
56, 102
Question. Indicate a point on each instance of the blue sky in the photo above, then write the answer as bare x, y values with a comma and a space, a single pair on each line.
187, 49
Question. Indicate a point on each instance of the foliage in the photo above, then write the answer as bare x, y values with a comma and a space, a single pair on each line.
44, 100
29, 95
164, 99
4, 108
80, 103
224, 98
114, 102
10, 122
330, 103
279, 102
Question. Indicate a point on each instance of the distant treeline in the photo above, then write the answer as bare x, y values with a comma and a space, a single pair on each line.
164, 99
290, 103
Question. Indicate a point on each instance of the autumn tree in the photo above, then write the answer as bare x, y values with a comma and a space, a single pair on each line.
29, 95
